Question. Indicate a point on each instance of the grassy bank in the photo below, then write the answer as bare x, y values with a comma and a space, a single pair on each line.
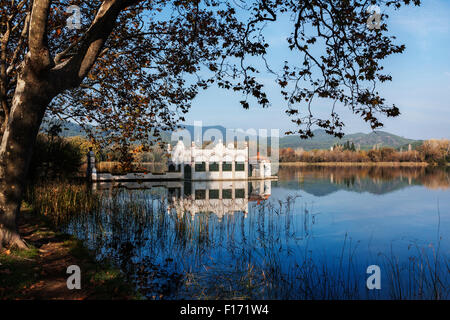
356, 164
40, 271
166, 252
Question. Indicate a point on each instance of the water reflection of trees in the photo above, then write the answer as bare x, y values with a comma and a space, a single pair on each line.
158, 248
264, 254
430, 177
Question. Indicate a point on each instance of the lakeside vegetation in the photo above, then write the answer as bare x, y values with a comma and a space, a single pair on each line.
129, 72
434, 152
93, 217
58, 157
39, 272
119, 224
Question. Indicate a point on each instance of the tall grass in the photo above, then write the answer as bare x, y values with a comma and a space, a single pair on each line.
62, 200
268, 254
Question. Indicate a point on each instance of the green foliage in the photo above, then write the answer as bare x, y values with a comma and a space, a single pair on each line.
143, 85
22, 271
346, 146
18, 270
55, 157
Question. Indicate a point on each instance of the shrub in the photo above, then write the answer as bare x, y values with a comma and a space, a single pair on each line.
387, 154
432, 151
436, 151
55, 157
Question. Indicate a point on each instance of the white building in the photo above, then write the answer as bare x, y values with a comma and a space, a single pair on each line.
217, 163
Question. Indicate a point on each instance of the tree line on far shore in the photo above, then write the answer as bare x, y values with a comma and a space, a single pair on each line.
436, 152
57, 157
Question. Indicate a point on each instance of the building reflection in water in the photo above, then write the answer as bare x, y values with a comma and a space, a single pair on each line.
215, 197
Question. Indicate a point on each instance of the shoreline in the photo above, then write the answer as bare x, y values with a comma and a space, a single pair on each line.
39, 272
355, 164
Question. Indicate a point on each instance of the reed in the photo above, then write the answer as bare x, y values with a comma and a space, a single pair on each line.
169, 253
61, 200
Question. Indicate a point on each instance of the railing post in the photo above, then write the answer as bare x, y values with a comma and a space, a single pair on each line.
91, 169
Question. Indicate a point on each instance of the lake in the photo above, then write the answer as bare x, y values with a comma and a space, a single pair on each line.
310, 235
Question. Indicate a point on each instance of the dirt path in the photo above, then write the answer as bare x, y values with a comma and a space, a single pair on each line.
40, 272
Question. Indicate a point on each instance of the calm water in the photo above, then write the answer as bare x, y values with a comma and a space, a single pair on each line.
310, 235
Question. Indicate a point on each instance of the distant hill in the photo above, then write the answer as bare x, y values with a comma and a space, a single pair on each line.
321, 139
322, 187
69, 129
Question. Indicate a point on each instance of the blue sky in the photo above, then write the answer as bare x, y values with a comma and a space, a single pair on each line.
420, 86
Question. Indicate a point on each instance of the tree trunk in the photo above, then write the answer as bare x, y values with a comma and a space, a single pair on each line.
32, 96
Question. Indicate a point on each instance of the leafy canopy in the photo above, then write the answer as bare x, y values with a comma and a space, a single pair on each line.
160, 54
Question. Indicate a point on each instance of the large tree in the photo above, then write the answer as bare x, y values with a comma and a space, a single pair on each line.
133, 67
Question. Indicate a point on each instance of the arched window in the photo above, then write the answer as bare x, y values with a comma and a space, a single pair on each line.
240, 163
214, 163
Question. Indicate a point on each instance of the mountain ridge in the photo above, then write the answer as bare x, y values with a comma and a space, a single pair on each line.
364, 141
321, 139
